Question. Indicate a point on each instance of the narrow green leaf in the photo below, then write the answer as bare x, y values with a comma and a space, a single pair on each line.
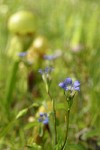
34, 146
41, 131
22, 113
75, 147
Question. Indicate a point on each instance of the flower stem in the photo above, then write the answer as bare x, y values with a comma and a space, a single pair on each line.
54, 111
67, 129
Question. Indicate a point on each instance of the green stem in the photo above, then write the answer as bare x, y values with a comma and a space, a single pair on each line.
11, 81
67, 129
54, 111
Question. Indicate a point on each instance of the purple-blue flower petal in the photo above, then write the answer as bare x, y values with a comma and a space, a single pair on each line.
40, 71
62, 85
69, 85
41, 114
46, 121
49, 57
48, 69
22, 54
77, 88
68, 81
76, 83
43, 118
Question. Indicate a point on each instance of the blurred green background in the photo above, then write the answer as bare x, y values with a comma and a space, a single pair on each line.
72, 26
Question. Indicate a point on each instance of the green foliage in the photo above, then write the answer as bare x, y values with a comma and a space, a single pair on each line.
21, 113
74, 27
75, 147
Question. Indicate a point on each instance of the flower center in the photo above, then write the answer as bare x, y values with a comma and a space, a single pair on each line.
70, 87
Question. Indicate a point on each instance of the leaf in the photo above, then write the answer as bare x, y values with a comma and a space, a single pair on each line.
34, 146
41, 131
34, 105
58, 146
75, 147
22, 113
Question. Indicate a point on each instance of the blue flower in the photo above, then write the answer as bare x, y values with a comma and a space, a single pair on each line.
68, 85
22, 54
50, 57
57, 54
47, 70
43, 118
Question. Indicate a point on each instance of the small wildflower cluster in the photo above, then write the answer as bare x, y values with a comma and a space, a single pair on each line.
22, 54
43, 117
70, 89
46, 76
46, 71
68, 85
54, 56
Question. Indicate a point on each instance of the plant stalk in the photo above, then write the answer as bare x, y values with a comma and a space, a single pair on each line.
54, 111
67, 129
